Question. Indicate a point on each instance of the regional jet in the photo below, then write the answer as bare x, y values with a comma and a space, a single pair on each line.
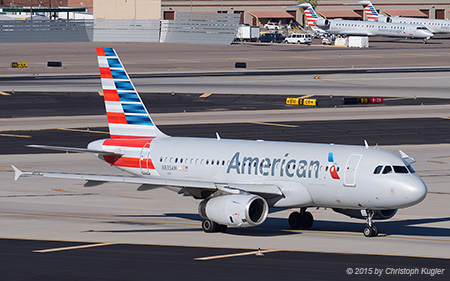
364, 28
238, 181
434, 25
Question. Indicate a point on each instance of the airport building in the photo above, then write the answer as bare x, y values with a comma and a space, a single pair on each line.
260, 12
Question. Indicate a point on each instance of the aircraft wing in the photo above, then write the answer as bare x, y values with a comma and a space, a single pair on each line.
154, 182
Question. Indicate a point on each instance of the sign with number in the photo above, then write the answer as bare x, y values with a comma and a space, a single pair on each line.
19, 64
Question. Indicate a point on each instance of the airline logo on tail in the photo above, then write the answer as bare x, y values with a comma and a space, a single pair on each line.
311, 16
370, 11
127, 115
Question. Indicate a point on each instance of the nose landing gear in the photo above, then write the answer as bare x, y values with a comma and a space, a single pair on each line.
370, 230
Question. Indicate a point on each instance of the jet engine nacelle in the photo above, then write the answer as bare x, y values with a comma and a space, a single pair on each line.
322, 23
235, 210
384, 19
379, 215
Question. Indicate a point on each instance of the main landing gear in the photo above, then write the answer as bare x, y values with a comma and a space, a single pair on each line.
370, 230
303, 219
209, 226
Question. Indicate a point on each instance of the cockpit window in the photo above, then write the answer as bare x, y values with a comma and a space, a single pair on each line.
387, 170
400, 170
378, 169
421, 28
411, 170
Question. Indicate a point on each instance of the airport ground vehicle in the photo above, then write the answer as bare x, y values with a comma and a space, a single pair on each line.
247, 33
271, 37
298, 38
272, 26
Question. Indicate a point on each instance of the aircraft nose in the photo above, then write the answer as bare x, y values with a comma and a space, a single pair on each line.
415, 191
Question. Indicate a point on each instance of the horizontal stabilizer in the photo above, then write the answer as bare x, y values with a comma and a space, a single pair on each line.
74, 149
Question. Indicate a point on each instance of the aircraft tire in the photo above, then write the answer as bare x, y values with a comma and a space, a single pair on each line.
308, 220
223, 227
375, 231
368, 231
209, 226
296, 220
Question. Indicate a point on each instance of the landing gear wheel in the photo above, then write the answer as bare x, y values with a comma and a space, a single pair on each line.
223, 227
368, 231
296, 220
374, 231
308, 220
209, 226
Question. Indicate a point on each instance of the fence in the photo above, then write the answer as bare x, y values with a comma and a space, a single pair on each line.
200, 28
187, 28
18, 31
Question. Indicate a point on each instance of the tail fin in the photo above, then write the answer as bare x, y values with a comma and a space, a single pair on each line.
370, 11
127, 115
310, 14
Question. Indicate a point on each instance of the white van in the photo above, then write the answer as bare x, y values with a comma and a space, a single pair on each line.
298, 38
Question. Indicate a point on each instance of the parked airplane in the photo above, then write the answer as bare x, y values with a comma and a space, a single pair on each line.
364, 28
239, 180
434, 25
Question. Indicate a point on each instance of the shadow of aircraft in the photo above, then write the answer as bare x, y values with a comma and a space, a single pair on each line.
278, 226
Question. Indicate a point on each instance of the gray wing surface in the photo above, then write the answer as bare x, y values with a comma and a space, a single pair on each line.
154, 182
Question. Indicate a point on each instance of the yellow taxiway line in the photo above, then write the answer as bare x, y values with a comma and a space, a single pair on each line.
73, 248
4, 94
84, 131
274, 124
15, 136
205, 95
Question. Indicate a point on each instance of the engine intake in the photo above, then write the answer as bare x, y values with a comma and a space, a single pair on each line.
379, 215
384, 19
322, 23
235, 210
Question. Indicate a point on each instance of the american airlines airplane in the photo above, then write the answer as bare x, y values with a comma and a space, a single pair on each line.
364, 28
434, 25
239, 180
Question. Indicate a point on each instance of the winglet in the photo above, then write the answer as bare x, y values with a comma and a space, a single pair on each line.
407, 158
366, 144
17, 172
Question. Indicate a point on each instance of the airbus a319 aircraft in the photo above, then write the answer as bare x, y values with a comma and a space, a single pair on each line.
239, 180
434, 25
364, 28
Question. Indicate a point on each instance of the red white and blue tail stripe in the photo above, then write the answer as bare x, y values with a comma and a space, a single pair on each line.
311, 15
127, 115
370, 11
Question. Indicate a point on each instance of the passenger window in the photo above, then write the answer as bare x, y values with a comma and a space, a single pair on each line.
400, 170
378, 169
387, 170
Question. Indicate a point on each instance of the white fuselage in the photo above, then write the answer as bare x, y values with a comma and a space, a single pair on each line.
365, 28
302, 171
434, 25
